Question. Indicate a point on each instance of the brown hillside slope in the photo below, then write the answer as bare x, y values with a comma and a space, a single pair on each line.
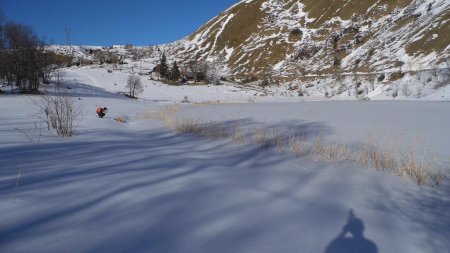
285, 39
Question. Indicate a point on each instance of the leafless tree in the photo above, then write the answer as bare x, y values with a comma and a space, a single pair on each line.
214, 72
444, 78
434, 70
405, 90
58, 75
113, 59
447, 69
134, 85
198, 67
22, 55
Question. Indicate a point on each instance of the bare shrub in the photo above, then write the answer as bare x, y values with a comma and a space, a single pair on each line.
447, 71
61, 112
443, 78
213, 72
58, 74
405, 90
394, 93
419, 92
439, 84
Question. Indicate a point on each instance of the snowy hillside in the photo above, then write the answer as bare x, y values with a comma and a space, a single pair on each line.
286, 38
340, 49
344, 50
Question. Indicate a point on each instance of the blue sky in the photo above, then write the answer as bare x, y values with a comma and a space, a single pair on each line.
108, 22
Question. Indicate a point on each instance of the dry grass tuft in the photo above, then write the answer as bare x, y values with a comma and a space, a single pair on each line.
370, 156
196, 127
164, 115
186, 126
386, 159
331, 151
238, 135
120, 120
278, 140
297, 147
216, 131
437, 177
415, 168
262, 139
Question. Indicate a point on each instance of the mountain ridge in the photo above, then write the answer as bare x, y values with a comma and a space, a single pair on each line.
286, 38
344, 48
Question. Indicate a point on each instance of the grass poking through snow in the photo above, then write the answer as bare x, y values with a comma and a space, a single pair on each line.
387, 159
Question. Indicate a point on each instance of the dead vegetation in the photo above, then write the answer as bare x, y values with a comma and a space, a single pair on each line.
384, 157
331, 151
297, 147
120, 120
60, 111
238, 135
370, 156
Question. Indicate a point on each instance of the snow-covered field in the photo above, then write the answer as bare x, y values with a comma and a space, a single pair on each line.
139, 187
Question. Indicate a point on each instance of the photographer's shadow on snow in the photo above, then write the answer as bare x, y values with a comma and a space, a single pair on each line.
356, 242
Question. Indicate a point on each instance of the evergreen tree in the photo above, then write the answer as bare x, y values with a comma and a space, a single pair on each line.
163, 68
175, 72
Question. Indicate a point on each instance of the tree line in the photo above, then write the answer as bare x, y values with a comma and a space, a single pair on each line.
210, 72
172, 74
24, 63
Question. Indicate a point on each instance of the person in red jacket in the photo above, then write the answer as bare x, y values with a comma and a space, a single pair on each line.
101, 112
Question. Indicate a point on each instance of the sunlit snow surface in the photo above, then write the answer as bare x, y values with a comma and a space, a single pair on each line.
138, 187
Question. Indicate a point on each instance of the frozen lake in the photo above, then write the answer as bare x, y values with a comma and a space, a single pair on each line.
423, 126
